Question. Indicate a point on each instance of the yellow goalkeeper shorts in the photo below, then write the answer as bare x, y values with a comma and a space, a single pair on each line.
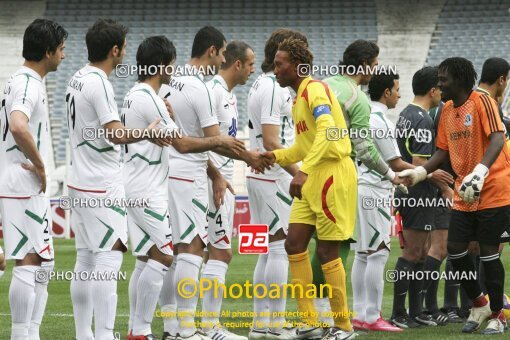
328, 202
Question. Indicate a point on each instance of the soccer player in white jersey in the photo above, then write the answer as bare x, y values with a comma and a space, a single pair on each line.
96, 173
238, 66
146, 177
373, 219
271, 127
192, 103
24, 204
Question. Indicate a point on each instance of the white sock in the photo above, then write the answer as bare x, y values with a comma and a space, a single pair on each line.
133, 283
81, 295
374, 284
260, 306
187, 270
211, 304
149, 287
358, 286
167, 300
41, 297
277, 268
324, 309
104, 293
21, 300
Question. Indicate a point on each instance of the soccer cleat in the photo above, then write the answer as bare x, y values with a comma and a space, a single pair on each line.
141, 337
335, 333
198, 335
358, 325
167, 336
381, 325
439, 318
425, 320
220, 333
309, 333
282, 334
257, 334
453, 315
476, 317
404, 321
496, 325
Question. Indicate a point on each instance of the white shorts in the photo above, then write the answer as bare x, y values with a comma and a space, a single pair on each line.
150, 226
270, 202
373, 223
221, 221
27, 227
187, 205
97, 229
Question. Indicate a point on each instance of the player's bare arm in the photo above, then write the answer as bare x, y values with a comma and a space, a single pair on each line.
252, 158
219, 184
18, 126
271, 141
128, 138
188, 144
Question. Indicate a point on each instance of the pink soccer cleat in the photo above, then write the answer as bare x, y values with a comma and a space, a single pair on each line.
358, 325
381, 325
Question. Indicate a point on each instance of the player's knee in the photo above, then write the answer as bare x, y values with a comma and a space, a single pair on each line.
2, 262
412, 254
326, 255
292, 248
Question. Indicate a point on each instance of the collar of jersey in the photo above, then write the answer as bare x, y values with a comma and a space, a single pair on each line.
145, 86
195, 71
90, 68
303, 85
421, 107
32, 72
378, 107
222, 81
479, 89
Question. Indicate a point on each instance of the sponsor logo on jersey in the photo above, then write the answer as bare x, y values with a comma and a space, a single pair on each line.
301, 127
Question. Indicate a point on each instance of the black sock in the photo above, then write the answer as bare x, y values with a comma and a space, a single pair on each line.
494, 281
415, 292
401, 286
451, 288
431, 267
462, 267
481, 275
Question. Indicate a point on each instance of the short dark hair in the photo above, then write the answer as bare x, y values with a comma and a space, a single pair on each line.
424, 80
157, 50
379, 83
298, 51
236, 50
358, 52
461, 70
492, 69
42, 36
102, 36
276, 38
206, 37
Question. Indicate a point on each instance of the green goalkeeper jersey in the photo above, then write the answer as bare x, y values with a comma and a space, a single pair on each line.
356, 110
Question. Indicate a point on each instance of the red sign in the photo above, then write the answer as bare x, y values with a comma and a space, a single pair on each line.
253, 238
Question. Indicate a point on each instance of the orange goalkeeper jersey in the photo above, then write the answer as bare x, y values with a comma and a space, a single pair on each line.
464, 132
320, 128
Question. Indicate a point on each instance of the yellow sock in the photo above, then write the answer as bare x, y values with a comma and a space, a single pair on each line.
301, 271
334, 275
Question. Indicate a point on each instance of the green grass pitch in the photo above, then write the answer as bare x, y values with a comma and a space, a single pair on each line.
58, 320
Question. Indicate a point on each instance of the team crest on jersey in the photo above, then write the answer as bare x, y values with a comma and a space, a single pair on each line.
468, 120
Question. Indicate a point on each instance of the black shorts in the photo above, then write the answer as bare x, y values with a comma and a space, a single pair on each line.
441, 218
505, 237
484, 226
417, 218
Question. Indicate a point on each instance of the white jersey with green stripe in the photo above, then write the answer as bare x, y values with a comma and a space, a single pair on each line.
191, 102
225, 109
23, 92
145, 163
269, 103
90, 104
384, 142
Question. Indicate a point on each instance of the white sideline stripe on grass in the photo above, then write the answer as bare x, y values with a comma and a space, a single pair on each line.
66, 315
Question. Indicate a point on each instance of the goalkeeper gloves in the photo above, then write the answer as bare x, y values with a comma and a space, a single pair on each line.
415, 175
472, 184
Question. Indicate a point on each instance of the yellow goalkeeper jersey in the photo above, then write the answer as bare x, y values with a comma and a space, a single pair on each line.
321, 131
